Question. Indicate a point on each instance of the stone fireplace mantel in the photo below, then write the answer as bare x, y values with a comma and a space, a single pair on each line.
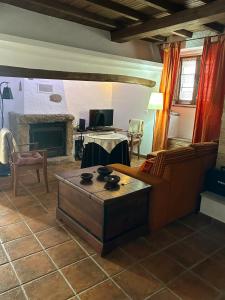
37, 118
20, 126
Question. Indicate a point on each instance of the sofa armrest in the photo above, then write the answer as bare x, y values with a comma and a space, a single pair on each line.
134, 172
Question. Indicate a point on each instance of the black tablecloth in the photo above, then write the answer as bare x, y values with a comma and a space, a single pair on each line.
94, 155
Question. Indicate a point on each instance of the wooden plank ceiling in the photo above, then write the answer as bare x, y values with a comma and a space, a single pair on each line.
151, 20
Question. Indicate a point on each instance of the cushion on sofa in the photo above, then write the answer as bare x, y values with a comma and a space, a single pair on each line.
147, 165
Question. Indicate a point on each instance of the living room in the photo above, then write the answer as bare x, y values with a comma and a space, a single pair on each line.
112, 149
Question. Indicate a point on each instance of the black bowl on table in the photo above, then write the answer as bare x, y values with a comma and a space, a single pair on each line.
86, 177
104, 171
112, 181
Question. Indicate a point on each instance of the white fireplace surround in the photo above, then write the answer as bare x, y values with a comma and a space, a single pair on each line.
19, 125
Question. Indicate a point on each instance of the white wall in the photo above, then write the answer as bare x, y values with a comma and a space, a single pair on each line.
78, 97
38, 102
32, 25
186, 121
17, 104
131, 101
81, 96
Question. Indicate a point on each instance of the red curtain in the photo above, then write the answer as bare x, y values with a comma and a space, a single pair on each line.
211, 91
171, 59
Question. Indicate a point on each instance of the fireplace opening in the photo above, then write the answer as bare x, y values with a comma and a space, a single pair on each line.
50, 136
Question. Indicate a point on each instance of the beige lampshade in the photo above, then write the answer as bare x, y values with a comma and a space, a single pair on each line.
156, 101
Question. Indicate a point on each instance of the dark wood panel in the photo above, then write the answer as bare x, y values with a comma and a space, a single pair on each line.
101, 248
121, 9
84, 234
9, 71
201, 15
126, 214
64, 11
81, 208
167, 6
107, 216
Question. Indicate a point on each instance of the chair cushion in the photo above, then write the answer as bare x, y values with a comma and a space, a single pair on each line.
147, 165
29, 158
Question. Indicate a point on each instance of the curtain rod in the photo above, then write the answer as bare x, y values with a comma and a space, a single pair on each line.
192, 39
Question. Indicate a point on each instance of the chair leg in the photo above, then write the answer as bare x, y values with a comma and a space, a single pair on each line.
139, 150
12, 176
45, 173
15, 180
131, 149
38, 175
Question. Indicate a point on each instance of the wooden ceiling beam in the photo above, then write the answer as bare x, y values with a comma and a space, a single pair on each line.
215, 26
164, 5
121, 9
169, 7
153, 39
183, 33
198, 15
51, 74
64, 11
139, 16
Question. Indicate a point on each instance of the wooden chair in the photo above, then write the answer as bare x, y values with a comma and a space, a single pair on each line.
135, 133
21, 161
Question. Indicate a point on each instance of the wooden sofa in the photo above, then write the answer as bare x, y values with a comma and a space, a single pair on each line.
177, 178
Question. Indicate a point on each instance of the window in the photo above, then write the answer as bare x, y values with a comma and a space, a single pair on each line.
187, 81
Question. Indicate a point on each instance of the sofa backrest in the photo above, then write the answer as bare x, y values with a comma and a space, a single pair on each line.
207, 153
168, 157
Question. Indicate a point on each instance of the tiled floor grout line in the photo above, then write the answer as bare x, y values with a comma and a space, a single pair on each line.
12, 266
57, 268
108, 276
185, 268
160, 290
136, 262
32, 195
171, 291
189, 269
93, 286
49, 258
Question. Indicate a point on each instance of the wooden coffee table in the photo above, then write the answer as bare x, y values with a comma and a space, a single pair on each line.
103, 218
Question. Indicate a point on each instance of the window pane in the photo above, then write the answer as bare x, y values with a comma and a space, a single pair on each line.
188, 66
186, 93
187, 81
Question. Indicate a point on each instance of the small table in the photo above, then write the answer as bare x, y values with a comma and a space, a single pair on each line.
103, 218
107, 140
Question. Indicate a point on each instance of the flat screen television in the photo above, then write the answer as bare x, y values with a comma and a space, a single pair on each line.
100, 117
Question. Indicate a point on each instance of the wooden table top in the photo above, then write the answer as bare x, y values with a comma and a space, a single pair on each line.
127, 184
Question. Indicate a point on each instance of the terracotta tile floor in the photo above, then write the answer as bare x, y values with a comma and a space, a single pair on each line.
40, 258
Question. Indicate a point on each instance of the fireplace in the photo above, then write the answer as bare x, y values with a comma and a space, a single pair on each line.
51, 132
50, 136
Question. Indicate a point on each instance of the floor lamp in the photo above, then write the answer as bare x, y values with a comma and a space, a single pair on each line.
5, 94
155, 103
